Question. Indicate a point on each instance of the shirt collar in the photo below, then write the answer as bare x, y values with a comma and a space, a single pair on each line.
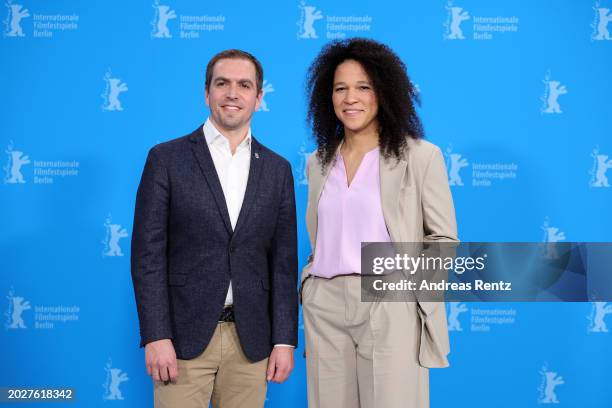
212, 135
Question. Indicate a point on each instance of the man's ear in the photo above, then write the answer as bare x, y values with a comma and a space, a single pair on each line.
206, 97
258, 100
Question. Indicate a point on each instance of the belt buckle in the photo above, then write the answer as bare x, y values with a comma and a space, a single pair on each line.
227, 315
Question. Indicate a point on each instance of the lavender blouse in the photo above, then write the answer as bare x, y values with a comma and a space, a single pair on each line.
348, 216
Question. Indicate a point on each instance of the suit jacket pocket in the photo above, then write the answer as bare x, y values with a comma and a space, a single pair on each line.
305, 288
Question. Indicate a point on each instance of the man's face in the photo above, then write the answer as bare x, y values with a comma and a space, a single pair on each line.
232, 94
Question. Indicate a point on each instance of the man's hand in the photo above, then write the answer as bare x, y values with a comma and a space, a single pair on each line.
160, 359
280, 364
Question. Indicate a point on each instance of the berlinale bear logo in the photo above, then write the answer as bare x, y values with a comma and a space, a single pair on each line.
309, 14
163, 14
12, 169
13, 21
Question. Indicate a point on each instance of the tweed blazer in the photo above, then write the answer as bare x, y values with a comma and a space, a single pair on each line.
185, 251
417, 207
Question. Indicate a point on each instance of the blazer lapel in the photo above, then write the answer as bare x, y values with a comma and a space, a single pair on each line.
316, 183
391, 179
205, 161
255, 167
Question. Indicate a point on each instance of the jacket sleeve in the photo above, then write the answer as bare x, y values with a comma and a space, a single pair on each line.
439, 226
438, 210
149, 251
283, 255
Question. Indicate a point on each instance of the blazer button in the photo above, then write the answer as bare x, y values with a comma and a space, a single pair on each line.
232, 249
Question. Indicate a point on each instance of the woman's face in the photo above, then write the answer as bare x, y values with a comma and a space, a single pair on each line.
354, 99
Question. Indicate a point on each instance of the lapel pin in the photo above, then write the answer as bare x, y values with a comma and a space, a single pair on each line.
257, 155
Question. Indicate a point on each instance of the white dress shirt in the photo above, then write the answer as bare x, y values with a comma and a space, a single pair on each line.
233, 173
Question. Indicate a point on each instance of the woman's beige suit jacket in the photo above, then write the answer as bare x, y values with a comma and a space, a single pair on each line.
417, 207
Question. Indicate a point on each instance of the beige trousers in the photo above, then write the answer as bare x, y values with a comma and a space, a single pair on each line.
361, 354
221, 373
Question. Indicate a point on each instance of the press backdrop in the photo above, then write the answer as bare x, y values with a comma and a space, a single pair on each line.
515, 93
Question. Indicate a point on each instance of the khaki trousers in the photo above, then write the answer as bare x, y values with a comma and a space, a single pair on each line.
361, 354
221, 373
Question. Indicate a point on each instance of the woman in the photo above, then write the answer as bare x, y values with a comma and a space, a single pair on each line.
372, 179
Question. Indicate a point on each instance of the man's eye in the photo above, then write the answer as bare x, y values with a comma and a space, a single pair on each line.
246, 86
340, 89
364, 87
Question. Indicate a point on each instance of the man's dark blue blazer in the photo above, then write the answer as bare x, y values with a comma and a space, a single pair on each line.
184, 251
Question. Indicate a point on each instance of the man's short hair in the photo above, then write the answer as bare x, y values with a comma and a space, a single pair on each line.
235, 54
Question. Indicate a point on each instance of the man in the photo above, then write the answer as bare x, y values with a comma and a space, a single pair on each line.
214, 253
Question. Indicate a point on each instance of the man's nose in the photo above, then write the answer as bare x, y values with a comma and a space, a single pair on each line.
232, 91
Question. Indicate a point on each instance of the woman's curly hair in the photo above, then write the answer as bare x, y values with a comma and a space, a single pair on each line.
395, 93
